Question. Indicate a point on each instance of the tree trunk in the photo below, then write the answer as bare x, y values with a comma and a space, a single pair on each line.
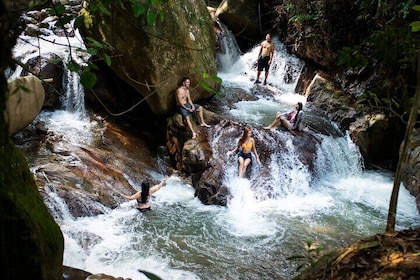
392, 211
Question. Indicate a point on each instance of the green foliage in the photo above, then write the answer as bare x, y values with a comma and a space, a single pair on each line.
389, 45
415, 26
296, 16
301, 18
150, 275
204, 84
351, 56
312, 254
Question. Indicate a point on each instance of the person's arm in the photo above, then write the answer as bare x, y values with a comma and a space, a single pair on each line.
255, 151
271, 54
157, 187
137, 195
189, 100
233, 151
298, 120
259, 53
179, 98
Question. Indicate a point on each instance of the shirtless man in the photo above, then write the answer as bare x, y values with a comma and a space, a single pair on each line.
187, 107
265, 57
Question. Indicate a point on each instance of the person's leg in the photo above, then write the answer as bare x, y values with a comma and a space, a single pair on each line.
189, 124
257, 81
245, 165
285, 123
200, 113
266, 75
240, 166
275, 122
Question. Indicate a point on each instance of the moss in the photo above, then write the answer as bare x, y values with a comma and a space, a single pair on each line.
32, 243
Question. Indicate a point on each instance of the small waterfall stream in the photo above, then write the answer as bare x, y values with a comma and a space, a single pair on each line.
269, 216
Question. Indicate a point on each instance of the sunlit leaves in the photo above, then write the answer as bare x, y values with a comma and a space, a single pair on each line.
204, 84
415, 26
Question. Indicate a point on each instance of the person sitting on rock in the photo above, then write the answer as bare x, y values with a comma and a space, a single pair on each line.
290, 121
245, 146
187, 107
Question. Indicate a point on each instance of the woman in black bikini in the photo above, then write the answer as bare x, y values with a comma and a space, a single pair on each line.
143, 196
245, 145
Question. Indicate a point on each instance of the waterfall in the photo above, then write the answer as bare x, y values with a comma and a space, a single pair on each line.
241, 71
269, 214
228, 51
74, 99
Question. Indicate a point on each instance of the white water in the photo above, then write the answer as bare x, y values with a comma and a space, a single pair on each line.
252, 237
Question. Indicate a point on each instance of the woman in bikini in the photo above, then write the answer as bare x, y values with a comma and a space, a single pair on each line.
143, 196
245, 146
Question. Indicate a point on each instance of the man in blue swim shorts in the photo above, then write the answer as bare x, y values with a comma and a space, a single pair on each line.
187, 107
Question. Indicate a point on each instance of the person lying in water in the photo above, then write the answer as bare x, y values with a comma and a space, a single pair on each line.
245, 146
290, 121
143, 196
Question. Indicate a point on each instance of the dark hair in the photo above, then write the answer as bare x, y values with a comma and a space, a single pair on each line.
184, 79
300, 105
145, 187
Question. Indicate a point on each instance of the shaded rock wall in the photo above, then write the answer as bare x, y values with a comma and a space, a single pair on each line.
154, 58
31, 242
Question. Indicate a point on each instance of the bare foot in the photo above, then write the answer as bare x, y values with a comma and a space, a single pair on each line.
205, 125
267, 127
194, 135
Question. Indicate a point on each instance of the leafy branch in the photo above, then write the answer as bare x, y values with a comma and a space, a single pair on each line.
312, 254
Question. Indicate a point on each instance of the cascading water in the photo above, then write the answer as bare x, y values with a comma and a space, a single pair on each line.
268, 217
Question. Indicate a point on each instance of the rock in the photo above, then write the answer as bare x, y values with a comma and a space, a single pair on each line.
24, 102
32, 243
411, 174
240, 16
153, 58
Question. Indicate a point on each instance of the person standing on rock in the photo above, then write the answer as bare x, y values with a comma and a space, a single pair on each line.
265, 58
245, 146
187, 107
143, 196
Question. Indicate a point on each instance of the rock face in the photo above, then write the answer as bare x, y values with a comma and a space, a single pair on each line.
411, 174
24, 102
240, 16
32, 243
367, 128
153, 58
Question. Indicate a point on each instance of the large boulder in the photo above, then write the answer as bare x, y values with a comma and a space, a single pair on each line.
24, 102
32, 244
367, 127
153, 58
240, 16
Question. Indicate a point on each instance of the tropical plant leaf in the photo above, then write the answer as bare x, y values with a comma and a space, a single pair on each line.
107, 59
139, 9
150, 275
88, 79
151, 18
79, 21
58, 9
